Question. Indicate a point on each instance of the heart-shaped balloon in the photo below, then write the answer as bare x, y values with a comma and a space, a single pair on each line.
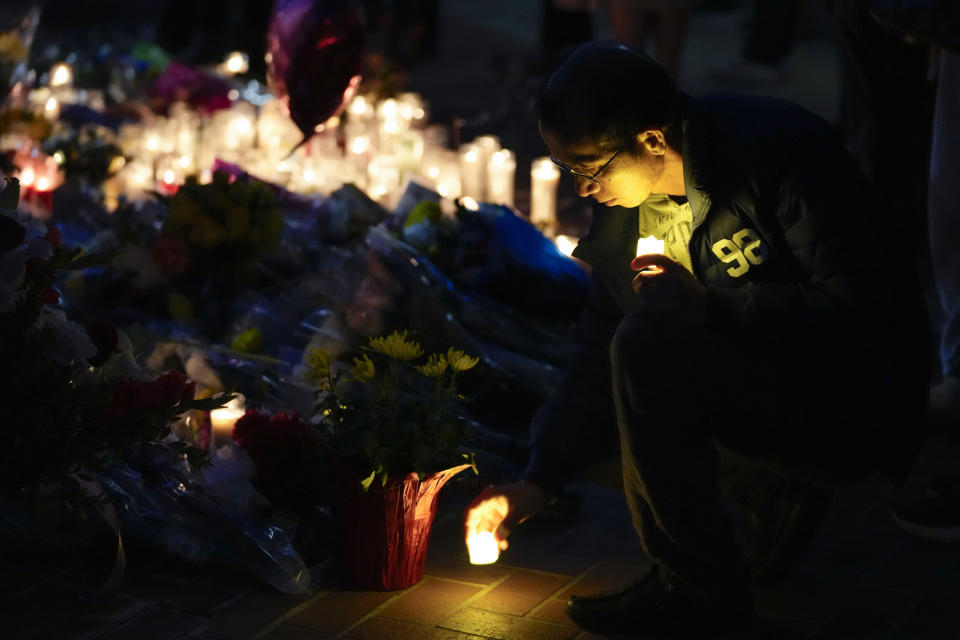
315, 58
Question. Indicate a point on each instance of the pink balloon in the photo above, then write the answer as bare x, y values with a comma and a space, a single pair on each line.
315, 58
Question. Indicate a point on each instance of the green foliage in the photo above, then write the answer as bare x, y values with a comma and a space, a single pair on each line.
225, 223
85, 154
249, 341
394, 411
65, 411
426, 211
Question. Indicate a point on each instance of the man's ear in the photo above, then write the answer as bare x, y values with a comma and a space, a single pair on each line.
653, 140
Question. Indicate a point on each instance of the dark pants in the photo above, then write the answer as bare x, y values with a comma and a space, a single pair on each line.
771, 30
678, 390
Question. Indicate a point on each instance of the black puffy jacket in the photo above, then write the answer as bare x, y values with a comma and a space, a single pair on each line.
795, 249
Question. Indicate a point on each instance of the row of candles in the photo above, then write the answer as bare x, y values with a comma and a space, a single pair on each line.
377, 145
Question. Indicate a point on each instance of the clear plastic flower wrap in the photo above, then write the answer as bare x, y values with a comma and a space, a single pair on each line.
166, 505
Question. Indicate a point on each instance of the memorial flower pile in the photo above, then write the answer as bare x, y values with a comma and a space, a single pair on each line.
74, 398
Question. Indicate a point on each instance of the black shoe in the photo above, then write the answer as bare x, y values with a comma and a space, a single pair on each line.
935, 518
659, 606
779, 528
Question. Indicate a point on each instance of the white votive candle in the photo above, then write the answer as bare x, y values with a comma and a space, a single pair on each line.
649, 245
501, 170
566, 244
224, 419
471, 171
544, 178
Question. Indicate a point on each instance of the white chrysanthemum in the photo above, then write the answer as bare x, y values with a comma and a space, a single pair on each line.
67, 342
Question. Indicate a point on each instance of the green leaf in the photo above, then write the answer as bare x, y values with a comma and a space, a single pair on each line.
249, 341
91, 260
366, 482
426, 211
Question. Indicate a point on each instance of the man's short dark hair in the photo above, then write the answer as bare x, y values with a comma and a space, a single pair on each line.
604, 92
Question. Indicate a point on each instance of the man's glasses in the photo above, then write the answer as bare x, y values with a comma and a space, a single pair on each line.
593, 178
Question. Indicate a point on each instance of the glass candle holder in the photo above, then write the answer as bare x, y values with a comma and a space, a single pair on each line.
544, 178
472, 171
501, 172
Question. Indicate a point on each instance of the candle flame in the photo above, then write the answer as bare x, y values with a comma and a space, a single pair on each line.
27, 176
61, 75
360, 145
236, 62
483, 548
649, 245
51, 108
566, 244
43, 184
482, 522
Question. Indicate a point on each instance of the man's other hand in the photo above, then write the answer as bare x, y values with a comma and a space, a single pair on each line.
665, 286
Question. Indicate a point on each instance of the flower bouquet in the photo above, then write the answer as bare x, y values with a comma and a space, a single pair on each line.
392, 426
74, 398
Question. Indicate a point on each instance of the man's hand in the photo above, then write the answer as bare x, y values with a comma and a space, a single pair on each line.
523, 500
665, 286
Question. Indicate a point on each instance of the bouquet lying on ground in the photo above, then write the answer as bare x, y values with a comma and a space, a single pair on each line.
395, 411
73, 398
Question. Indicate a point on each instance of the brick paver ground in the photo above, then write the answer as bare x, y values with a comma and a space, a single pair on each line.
862, 579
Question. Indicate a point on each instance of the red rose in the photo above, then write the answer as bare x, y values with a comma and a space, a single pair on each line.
134, 395
49, 296
176, 387
171, 388
270, 440
171, 254
53, 236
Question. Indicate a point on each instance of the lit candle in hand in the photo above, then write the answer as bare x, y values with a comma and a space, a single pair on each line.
649, 246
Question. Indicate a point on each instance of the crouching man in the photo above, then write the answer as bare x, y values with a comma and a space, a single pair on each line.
782, 322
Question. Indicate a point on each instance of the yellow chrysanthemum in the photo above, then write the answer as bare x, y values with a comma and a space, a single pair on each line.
363, 369
397, 346
435, 366
11, 47
459, 361
318, 366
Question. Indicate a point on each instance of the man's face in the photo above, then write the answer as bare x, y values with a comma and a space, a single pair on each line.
627, 181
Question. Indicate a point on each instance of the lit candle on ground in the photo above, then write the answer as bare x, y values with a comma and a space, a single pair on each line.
482, 522
501, 170
544, 178
566, 244
236, 63
471, 171
51, 109
441, 168
61, 75
383, 178
484, 548
223, 420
